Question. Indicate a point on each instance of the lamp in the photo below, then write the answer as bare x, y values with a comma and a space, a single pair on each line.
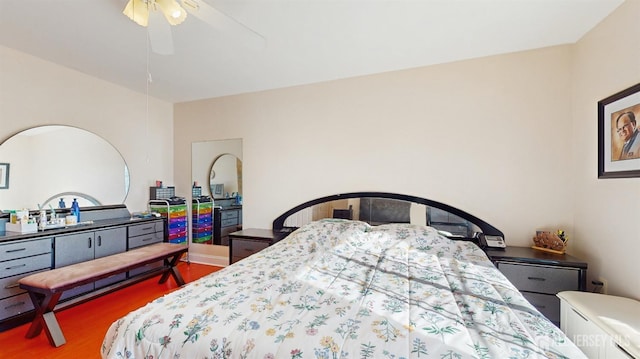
138, 11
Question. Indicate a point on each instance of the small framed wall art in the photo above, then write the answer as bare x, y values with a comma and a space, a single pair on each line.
4, 175
619, 134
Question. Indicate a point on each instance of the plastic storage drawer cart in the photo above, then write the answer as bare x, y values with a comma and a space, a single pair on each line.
175, 211
202, 220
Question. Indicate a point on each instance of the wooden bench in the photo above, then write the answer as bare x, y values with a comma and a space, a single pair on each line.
45, 288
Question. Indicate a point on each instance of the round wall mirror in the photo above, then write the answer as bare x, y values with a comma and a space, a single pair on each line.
225, 177
48, 163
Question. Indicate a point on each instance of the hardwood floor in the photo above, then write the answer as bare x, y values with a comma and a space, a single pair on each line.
84, 325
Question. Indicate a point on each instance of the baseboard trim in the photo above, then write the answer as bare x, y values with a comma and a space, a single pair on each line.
207, 259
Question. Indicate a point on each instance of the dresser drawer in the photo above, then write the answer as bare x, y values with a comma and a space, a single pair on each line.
230, 222
547, 304
145, 240
9, 285
145, 228
25, 265
15, 305
230, 214
21, 249
540, 279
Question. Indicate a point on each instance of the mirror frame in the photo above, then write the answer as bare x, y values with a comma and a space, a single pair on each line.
238, 179
90, 199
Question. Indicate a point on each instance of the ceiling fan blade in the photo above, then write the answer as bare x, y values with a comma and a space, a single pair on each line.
160, 34
138, 11
220, 21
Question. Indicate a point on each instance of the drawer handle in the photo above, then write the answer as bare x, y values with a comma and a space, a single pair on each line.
147, 228
18, 266
248, 250
16, 250
11, 286
15, 305
146, 239
537, 278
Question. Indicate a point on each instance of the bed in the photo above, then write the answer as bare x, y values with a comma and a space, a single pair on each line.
344, 288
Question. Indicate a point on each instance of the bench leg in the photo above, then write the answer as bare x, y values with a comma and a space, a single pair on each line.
172, 270
45, 318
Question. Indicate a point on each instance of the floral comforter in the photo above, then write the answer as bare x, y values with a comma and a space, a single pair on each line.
345, 289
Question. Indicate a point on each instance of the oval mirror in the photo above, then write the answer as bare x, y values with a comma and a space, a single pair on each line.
216, 169
52, 162
225, 177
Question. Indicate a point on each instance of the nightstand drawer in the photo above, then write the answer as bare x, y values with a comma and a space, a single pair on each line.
540, 279
251, 240
246, 248
547, 304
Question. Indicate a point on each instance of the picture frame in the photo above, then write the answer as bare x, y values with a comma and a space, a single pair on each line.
4, 175
619, 134
217, 190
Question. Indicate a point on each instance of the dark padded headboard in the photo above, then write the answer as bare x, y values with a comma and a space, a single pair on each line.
388, 209
384, 210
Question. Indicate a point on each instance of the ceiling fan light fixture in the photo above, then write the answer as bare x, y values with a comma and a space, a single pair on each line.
138, 11
173, 12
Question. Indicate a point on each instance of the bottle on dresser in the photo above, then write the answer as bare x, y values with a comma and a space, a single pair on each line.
75, 209
42, 222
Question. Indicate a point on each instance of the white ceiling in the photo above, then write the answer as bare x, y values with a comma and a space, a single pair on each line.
307, 41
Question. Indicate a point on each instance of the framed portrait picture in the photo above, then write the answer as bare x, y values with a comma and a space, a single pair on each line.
4, 175
619, 134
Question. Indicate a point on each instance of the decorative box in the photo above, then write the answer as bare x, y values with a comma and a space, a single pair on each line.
21, 227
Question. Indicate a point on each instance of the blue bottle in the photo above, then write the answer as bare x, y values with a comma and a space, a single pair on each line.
75, 209
61, 203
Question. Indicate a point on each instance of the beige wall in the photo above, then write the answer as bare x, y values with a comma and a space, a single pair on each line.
606, 211
491, 136
34, 92
510, 138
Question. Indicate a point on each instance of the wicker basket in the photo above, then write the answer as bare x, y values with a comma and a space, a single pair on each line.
550, 242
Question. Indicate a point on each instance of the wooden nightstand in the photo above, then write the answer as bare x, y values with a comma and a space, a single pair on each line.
541, 275
251, 240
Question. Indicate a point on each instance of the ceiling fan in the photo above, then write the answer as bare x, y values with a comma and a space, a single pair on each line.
150, 13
